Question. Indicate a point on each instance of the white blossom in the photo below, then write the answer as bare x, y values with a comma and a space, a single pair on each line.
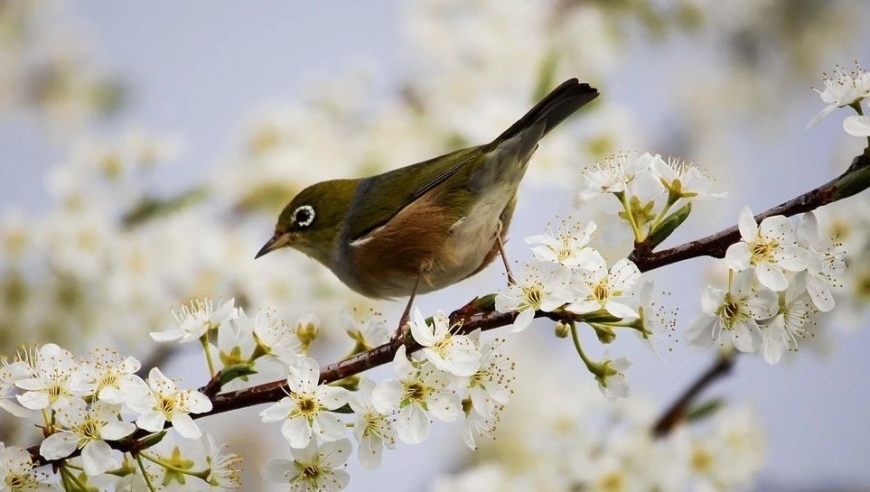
653, 321
313, 468
769, 249
224, 468
613, 175
235, 341
373, 430
735, 312
305, 411
10, 373
535, 290
418, 392
729, 456
18, 472
447, 351
781, 332
87, 428
159, 399
476, 426
53, 368
826, 262
612, 382
489, 387
195, 319
842, 89
369, 332
274, 337
101, 375
570, 248
599, 288
683, 180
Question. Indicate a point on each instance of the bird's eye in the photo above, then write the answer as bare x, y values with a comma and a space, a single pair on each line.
303, 216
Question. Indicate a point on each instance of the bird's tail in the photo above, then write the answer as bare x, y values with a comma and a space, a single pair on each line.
559, 104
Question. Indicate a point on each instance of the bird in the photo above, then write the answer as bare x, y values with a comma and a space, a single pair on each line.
426, 226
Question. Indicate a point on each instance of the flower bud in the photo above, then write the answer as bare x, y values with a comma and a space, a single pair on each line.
562, 329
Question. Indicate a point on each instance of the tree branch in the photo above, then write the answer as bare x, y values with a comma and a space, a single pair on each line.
480, 313
854, 180
681, 407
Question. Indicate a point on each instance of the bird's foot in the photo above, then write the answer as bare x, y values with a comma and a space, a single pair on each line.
507, 267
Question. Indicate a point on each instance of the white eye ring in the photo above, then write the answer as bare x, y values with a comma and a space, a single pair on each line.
308, 220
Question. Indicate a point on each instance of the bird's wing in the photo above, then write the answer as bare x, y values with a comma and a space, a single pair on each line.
379, 198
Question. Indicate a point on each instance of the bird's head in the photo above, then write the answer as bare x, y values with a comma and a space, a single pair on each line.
313, 220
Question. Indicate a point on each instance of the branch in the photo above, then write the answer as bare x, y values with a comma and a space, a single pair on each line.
854, 180
680, 408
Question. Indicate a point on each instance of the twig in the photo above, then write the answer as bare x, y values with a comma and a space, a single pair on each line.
681, 407
716, 244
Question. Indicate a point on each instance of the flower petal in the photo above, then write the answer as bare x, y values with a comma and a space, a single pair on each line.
185, 426
58, 445
98, 458
857, 125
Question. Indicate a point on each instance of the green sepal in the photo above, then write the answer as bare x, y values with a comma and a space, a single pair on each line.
705, 410
178, 467
668, 226
641, 213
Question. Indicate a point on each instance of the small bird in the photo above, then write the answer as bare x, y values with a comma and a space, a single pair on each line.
426, 226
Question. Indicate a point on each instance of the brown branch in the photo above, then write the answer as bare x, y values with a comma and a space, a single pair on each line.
680, 408
716, 244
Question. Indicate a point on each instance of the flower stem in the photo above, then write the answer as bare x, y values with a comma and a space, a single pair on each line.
69, 477
629, 217
670, 203
204, 341
145, 473
576, 339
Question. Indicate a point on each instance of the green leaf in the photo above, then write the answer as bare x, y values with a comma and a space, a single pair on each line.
230, 373
151, 440
600, 316
343, 409
668, 226
705, 410
485, 303
151, 208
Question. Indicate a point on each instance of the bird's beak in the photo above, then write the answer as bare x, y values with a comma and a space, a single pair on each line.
275, 242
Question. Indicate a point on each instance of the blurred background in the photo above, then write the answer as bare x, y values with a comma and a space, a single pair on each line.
145, 150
